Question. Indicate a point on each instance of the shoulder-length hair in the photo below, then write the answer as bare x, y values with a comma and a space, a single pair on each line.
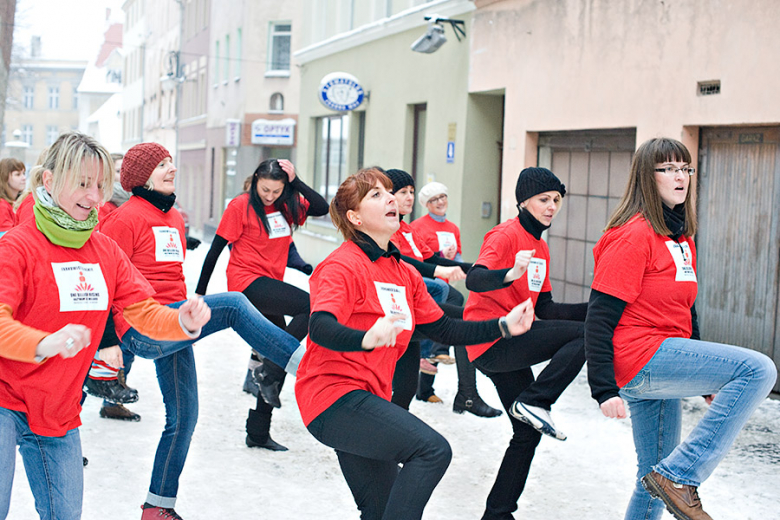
349, 195
288, 203
642, 196
66, 161
7, 167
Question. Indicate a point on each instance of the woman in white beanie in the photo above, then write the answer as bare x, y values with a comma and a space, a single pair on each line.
436, 231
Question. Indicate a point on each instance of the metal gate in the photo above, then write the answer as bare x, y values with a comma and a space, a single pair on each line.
738, 242
594, 167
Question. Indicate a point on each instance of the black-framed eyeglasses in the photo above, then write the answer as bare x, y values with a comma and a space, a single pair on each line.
672, 170
434, 200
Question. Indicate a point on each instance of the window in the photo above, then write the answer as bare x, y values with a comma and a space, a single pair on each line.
226, 67
238, 53
332, 151
52, 133
27, 132
216, 65
276, 106
28, 97
75, 98
279, 47
54, 97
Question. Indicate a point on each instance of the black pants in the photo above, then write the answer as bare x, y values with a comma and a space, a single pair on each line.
508, 364
275, 300
372, 437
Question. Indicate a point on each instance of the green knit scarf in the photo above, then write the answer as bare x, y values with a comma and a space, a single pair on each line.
60, 228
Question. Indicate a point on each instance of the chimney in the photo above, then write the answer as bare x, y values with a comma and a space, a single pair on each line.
35, 47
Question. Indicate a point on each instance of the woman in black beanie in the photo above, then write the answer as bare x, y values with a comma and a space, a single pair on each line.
433, 268
513, 265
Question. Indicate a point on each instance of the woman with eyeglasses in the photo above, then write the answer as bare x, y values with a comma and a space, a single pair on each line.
434, 229
643, 343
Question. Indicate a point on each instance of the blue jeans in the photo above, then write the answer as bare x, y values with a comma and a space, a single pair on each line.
741, 380
438, 289
53, 464
177, 378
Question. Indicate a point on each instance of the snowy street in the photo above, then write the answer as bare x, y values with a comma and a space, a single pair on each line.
588, 477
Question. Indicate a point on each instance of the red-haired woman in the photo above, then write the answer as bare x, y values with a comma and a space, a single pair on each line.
366, 304
11, 185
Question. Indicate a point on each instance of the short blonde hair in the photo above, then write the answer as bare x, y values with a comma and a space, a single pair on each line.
66, 158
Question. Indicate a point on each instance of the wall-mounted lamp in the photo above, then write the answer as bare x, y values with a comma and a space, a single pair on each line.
434, 35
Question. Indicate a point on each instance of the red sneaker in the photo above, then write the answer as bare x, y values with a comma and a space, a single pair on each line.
151, 512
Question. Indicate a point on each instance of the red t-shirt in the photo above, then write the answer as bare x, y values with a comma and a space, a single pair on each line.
409, 244
358, 292
436, 235
155, 243
255, 253
25, 209
7, 215
656, 277
105, 210
48, 287
498, 251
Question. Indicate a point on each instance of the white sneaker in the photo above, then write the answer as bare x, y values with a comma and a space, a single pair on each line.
538, 418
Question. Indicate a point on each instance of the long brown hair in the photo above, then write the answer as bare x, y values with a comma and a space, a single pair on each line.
642, 196
349, 195
7, 167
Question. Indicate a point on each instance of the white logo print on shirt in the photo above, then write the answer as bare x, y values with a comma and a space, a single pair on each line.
408, 237
81, 287
167, 244
278, 226
537, 272
446, 239
392, 298
683, 260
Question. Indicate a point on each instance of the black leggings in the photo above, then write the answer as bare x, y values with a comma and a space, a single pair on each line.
508, 364
371, 438
275, 300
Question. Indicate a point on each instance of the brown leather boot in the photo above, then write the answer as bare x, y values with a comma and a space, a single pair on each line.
682, 501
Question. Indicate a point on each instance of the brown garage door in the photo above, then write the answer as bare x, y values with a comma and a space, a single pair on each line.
739, 237
594, 167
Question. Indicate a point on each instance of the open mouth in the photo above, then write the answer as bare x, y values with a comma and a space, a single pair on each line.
391, 213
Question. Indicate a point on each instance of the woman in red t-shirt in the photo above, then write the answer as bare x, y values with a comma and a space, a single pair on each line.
259, 224
11, 185
643, 342
513, 265
365, 305
58, 283
438, 233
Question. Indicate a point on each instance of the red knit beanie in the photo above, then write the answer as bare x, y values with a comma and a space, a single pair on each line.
139, 163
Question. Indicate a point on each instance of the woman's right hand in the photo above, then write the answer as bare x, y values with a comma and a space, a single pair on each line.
382, 333
449, 273
614, 408
67, 342
449, 252
522, 259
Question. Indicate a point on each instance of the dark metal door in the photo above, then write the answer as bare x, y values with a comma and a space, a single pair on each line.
738, 241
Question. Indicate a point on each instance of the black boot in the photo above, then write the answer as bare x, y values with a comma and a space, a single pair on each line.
258, 427
467, 399
269, 378
111, 390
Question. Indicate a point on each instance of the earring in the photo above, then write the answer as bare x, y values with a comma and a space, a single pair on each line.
359, 222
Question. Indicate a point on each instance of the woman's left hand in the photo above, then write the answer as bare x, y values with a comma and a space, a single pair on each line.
520, 319
112, 356
194, 313
288, 167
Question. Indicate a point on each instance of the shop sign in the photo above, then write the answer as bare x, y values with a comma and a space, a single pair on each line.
341, 92
280, 132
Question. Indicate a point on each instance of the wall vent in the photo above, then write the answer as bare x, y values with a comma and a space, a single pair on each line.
708, 88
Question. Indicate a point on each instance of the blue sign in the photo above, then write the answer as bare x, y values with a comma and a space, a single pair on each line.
450, 152
341, 92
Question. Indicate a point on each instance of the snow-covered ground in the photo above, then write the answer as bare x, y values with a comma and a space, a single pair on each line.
587, 477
